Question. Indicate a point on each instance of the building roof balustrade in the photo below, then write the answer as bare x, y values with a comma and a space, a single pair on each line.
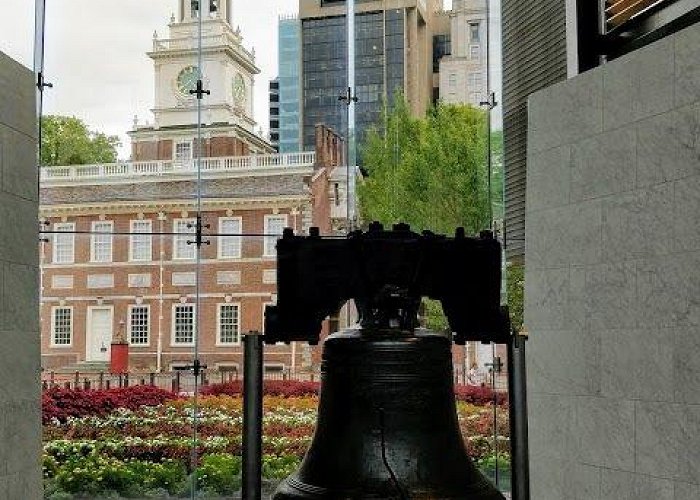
128, 171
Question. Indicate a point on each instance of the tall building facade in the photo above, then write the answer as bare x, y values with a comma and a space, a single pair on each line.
289, 78
120, 260
462, 72
393, 51
274, 96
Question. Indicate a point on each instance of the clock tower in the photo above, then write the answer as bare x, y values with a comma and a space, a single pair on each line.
228, 73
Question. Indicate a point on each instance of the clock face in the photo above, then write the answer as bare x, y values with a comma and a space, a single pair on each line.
239, 89
187, 80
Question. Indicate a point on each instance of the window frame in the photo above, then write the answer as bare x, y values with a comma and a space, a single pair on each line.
190, 144
173, 325
178, 236
94, 242
149, 239
53, 326
70, 233
219, 307
475, 52
130, 325
268, 240
235, 239
471, 25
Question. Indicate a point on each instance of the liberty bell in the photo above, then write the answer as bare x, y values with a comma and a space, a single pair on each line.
387, 421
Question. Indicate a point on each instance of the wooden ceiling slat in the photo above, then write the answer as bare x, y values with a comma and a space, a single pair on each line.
630, 12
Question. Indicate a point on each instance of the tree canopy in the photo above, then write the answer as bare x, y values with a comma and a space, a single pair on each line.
67, 140
428, 172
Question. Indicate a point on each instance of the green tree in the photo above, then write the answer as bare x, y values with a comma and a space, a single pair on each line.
428, 172
67, 140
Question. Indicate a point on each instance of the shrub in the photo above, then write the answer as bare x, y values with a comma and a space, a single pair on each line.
478, 395
219, 473
59, 404
280, 388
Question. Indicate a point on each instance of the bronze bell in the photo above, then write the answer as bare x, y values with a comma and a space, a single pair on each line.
387, 423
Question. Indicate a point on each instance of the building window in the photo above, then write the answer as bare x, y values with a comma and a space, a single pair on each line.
64, 244
183, 151
475, 80
138, 325
184, 230
274, 225
62, 326
453, 79
474, 35
475, 52
183, 324
101, 241
140, 240
229, 325
229, 246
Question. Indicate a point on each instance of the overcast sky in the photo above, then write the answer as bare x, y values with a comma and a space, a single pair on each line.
96, 53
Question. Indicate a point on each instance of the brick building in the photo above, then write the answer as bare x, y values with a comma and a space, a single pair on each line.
117, 256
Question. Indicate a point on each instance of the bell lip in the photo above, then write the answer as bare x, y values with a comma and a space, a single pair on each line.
368, 334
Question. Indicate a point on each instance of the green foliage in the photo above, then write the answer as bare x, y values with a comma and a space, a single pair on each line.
429, 172
515, 278
219, 473
66, 140
279, 466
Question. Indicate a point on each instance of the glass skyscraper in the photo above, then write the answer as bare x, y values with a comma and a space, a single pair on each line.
379, 69
289, 85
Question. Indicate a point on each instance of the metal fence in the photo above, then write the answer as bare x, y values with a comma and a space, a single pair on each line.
183, 381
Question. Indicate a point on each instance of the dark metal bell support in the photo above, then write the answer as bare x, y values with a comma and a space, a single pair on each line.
387, 423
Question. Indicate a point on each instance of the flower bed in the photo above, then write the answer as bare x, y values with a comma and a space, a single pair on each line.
137, 450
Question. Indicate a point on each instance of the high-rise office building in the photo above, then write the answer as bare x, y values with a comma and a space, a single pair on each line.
393, 51
463, 69
274, 93
289, 80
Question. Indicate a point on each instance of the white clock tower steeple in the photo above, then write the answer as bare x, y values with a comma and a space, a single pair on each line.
228, 71
228, 68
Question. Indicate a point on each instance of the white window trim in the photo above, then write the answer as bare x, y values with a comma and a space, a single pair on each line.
218, 324
194, 326
222, 238
186, 236
185, 141
64, 227
148, 325
150, 240
111, 241
267, 252
53, 326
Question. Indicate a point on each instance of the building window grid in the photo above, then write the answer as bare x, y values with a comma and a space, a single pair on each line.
62, 326
183, 151
274, 225
229, 326
183, 324
184, 230
138, 325
475, 52
140, 244
101, 241
474, 32
230, 246
64, 244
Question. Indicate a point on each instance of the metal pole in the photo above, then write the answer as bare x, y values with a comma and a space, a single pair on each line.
252, 415
518, 417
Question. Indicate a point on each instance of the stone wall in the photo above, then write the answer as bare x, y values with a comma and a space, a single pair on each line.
613, 279
20, 421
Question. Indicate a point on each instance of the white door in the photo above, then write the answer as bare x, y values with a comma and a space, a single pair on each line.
99, 333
